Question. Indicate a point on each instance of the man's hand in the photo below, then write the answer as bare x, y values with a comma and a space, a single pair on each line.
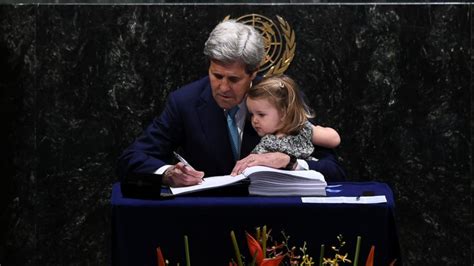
271, 159
180, 175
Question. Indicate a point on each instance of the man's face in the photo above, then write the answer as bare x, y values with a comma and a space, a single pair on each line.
229, 83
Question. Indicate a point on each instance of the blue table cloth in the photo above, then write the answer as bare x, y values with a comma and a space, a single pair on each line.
140, 226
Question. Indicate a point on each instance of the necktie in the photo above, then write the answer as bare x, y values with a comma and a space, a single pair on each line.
233, 132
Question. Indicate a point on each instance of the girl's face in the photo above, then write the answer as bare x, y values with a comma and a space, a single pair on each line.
266, 119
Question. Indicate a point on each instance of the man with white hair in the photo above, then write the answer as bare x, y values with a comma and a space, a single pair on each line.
194, 119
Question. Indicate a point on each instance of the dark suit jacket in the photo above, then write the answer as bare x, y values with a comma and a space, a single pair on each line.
193, 122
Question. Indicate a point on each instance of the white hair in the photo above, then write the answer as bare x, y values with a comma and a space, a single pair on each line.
232, 41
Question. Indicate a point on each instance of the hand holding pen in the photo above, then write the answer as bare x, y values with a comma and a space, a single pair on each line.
182, 174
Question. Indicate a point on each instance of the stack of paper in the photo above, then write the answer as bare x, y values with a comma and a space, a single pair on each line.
268, 181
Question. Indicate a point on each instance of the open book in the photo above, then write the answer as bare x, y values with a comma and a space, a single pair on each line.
267, 181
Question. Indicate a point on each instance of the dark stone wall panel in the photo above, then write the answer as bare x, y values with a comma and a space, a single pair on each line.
18, 189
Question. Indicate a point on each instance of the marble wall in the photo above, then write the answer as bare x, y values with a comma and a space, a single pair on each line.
79, 82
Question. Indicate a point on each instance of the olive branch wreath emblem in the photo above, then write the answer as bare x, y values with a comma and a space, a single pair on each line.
277, 60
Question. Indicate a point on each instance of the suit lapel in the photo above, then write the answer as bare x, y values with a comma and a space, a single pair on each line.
214, 127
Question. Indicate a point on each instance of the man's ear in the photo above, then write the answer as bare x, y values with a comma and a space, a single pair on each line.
254, 74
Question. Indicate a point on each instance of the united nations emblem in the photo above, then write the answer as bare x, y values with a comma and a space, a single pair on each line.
279, 41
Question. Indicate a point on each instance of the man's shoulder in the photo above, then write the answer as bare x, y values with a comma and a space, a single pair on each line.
190, 92
195, 87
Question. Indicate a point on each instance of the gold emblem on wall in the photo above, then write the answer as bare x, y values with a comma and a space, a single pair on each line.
279, 41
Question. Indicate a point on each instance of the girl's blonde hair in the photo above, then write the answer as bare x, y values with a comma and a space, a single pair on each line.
283, 93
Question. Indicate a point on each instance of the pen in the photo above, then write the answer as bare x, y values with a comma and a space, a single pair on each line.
181, 159
365, 193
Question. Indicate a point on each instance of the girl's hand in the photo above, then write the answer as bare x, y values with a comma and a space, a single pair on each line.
271, 159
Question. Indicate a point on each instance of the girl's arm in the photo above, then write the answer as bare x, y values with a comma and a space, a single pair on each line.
325, 137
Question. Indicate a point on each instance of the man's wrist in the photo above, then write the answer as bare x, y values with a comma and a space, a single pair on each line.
166, 178
291, 164
161, 170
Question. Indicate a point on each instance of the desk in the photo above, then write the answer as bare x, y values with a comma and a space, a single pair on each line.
139, 226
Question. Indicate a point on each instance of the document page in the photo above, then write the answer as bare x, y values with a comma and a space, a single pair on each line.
208, 183
351, 200
269, 172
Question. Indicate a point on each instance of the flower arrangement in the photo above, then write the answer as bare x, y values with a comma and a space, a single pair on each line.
280, 253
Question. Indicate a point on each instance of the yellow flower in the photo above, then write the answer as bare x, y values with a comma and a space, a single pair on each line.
332, 262
343, 258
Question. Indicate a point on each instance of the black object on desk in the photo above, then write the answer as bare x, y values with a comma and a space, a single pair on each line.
141, 186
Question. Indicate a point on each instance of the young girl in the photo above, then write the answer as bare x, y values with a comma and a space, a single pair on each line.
280, 116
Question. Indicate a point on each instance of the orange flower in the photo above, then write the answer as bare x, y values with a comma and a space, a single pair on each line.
254, 248
159, 254
370, 257
257, 253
